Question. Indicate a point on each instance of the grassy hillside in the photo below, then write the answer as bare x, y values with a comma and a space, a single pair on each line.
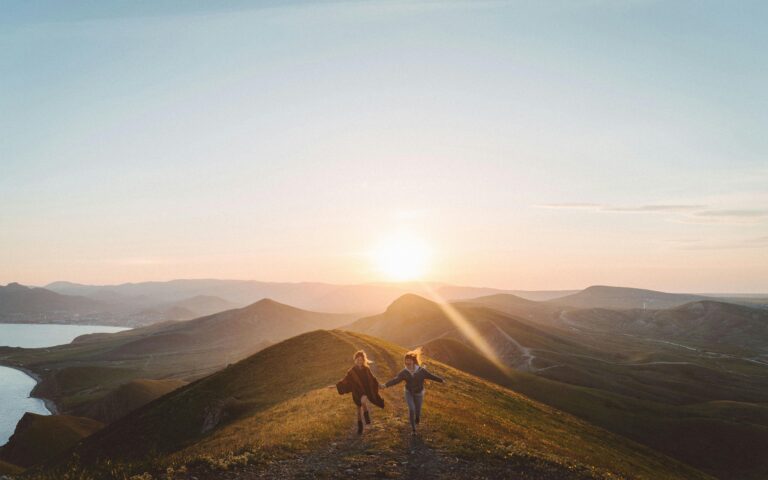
599, 296
412, 320
607, 360
201, 305
129, 397
9, 469
726, 439
78, 375
538, 311
274, 414
724, 327
38, 438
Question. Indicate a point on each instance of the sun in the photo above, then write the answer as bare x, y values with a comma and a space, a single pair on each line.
401, 257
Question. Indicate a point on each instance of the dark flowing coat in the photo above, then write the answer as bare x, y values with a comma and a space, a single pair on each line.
359, 382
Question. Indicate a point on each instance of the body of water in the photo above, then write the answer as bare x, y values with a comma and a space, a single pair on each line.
15, 385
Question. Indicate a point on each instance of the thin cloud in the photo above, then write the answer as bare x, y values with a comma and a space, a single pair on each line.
759, 242
655, 208
732, 213
725, 217
683, 213
588, 206
661, 208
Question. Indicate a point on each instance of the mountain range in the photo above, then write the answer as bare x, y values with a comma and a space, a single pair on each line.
137, 304
291, 426
537, 389
81, 377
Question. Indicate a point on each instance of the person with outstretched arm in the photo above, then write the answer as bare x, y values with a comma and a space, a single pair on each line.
364, 387
414, 376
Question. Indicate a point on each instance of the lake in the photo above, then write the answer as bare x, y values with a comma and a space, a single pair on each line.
15, 385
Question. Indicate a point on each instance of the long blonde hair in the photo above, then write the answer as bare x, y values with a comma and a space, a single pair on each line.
414, 355
361, 354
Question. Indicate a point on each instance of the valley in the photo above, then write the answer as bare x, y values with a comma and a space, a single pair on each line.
198, 393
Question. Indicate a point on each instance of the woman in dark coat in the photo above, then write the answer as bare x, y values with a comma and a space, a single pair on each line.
364, 387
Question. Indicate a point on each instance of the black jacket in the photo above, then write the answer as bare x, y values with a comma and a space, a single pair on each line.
359, 382
414, 382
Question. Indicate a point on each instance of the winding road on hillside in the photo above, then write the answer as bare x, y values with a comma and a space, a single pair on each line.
525, 352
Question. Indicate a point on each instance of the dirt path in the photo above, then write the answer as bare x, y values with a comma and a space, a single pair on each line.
525, 352
385, 450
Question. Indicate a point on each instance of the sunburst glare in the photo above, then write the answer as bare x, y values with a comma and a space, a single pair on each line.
402, 257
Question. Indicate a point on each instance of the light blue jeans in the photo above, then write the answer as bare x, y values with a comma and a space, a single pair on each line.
414, 402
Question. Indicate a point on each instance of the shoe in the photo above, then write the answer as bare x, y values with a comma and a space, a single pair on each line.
359, 427
368, 418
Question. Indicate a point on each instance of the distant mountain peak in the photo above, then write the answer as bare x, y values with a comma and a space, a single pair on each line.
268, 302
711, 305
611, 288
16, 287
268, 305
603, 296
411, 302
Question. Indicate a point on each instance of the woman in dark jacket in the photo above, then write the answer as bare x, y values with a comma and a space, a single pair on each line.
364, 387
413, 375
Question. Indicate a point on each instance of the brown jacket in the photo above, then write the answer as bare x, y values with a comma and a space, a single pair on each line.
359, 382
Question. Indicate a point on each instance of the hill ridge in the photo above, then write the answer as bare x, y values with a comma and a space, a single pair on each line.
469, 425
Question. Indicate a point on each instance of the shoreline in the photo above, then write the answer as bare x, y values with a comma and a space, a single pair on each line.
49, 404
127, 327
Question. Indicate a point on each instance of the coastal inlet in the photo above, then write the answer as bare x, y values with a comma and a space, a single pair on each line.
16, 385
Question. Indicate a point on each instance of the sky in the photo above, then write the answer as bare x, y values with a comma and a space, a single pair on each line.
522, 144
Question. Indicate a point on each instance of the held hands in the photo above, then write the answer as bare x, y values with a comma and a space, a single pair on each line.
382, 386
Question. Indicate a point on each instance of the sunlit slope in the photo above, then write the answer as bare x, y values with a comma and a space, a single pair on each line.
538, 311
78, 375
726, 439
277, 400
628, 365
412, 320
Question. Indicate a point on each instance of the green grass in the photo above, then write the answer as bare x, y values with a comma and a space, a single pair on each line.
276, 405
128, 397
9, 469
41, 437
727, 439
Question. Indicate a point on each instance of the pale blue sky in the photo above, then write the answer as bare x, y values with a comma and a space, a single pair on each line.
533, 146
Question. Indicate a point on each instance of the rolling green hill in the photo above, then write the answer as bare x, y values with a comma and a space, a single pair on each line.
412, 320
38, 438
725, 439
78, 375
607, 360
9, 469
273, 413
128, 397
538, 311
725, 327
600, 296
